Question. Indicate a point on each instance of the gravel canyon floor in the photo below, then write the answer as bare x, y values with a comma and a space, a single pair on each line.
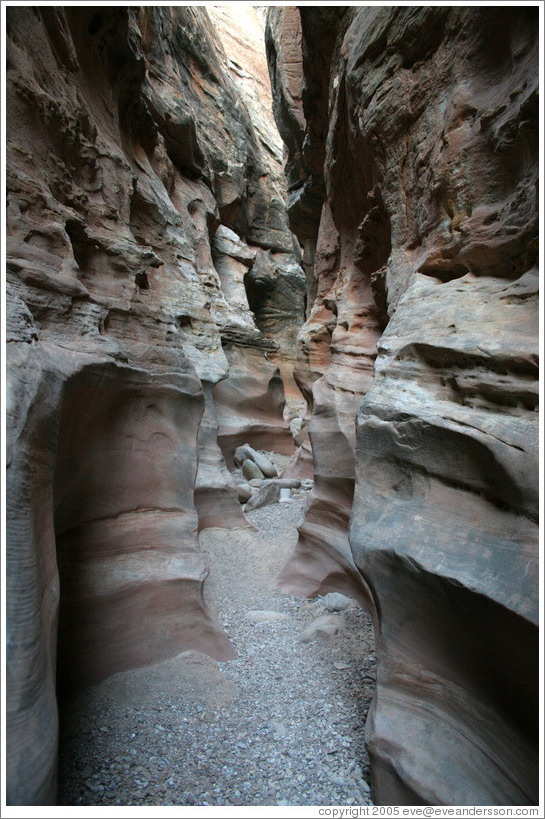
283, 724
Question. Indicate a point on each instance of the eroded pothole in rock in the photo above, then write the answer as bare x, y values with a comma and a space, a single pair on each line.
282, 724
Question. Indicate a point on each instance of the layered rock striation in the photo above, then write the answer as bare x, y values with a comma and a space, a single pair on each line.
142, 200
412, 167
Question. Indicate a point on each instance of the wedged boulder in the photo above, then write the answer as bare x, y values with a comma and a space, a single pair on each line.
246, 452
269, 492
267, 467
251, 471
240, 454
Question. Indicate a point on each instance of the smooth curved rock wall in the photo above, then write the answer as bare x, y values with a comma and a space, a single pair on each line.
130, 151
427, 309
130, 569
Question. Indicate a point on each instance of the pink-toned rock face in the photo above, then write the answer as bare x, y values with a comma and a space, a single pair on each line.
215, 498
426, 307
139, 195
125, 524
250, 404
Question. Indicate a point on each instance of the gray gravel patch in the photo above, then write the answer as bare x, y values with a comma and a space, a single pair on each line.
282, 724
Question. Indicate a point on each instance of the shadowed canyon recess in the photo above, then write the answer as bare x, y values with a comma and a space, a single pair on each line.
272, 320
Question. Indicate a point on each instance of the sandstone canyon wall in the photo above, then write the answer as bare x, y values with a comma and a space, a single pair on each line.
146, 236
412, 166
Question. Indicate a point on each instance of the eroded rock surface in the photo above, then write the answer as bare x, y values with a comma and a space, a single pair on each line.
140, 197
412, 164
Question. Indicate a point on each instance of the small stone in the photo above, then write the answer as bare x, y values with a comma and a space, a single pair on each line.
323, 628
93, 788
280, 730
334, 601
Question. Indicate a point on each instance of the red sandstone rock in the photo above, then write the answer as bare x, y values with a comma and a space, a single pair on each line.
250, 403
131, 155
216, 497
426, 120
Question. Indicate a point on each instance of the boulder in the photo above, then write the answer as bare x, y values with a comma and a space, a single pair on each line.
246, 452
269, 469
244, 492
269, 492
251, 470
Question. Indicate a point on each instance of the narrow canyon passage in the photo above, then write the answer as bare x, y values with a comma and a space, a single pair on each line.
283, 724
306, 229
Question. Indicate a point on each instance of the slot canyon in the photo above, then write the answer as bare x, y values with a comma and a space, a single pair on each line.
272, 385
